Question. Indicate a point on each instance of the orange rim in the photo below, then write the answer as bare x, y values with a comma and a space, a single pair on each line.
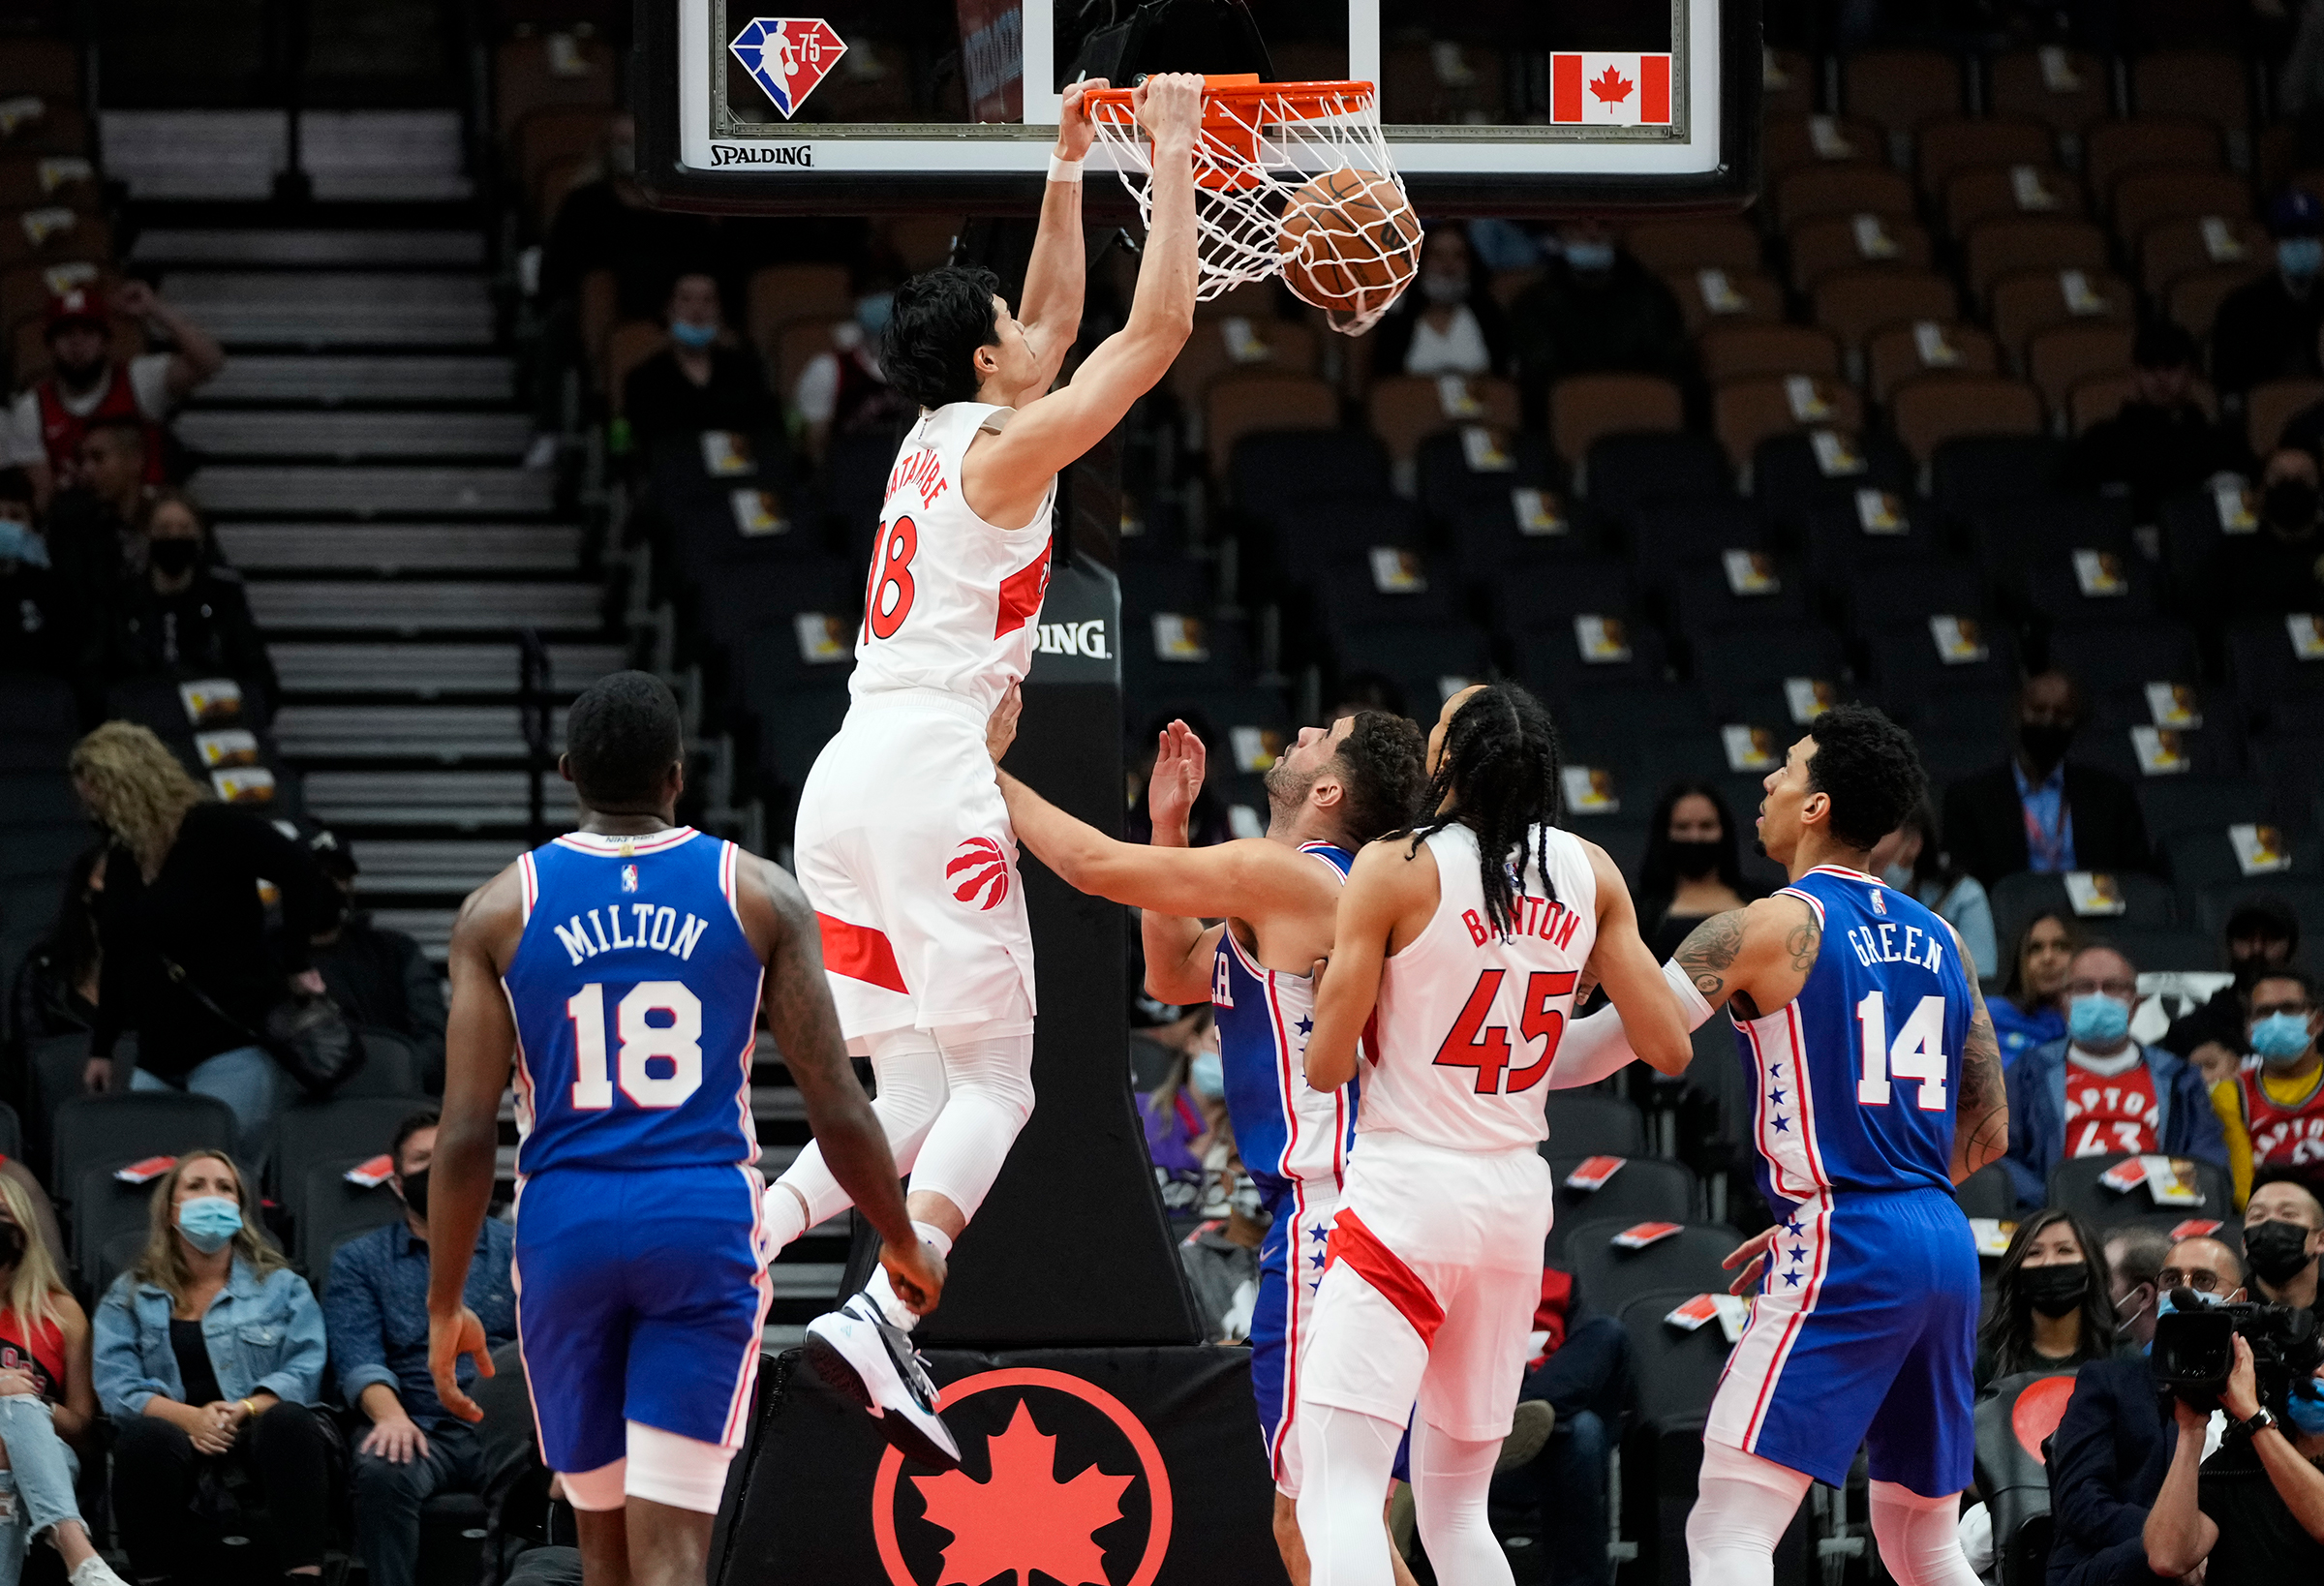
1287, 100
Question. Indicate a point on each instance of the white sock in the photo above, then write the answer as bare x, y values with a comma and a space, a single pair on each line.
1743, 1506
883, 1292
1920, 1538
785, 1215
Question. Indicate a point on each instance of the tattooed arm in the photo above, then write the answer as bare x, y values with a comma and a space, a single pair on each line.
1981, 1108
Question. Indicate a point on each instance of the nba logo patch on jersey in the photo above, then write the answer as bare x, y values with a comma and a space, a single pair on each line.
1879, 904
628, 878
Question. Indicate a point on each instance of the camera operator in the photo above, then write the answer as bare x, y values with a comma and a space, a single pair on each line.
2112, 1445
2283, 1234
2254, 1511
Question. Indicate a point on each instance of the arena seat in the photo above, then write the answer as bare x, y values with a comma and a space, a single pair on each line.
1983, 194
1789, 143
2113, 147
1610, 1277
311, 1131
1973, 470
1667, 247
1809, 192
1745, 412
1707, 297
1901, 89
1677, 1373
1594, 1123
1907, 349
1852, 304
2074, 1187
1644, 1189
2068, 89
328, 1210
1733, 352
1793, 476
1629, 471
2181, 246
1824, 247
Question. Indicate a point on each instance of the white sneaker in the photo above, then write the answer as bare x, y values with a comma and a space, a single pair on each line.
93, 1570
859, 1352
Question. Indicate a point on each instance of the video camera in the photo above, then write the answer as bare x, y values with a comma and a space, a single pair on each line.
2195, 1348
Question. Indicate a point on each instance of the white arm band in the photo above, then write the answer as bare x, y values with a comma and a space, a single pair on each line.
1064, 171
1596, 1047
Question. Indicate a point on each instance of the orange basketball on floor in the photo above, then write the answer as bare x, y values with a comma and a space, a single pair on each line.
1350, 241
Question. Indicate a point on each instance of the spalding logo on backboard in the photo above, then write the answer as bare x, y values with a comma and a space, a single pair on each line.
787, 56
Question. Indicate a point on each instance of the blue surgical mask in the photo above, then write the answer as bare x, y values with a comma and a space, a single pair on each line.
2304, 1409
873, 310
2097, 1020
2281, 1038
686, 333
1207, 1075
1590, 257
19, 543
2299, 258
209, 1222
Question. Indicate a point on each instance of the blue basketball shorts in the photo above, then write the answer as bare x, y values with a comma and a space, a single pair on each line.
639, 1297
1864, 1332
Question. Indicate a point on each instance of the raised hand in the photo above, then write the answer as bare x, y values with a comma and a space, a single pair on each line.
1179, 762
1170, 106
1075, 134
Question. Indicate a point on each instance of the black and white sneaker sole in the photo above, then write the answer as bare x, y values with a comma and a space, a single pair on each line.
834, 1361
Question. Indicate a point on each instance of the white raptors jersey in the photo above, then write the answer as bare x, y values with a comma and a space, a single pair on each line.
952, 597
1468, 1023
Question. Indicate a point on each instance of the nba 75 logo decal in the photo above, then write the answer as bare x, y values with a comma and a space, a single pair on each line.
1065, 1484
787, 56
979, 866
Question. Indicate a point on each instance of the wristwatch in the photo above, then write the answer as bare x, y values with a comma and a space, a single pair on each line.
2251, 1425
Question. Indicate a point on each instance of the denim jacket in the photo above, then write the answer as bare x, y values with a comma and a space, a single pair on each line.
263, 1336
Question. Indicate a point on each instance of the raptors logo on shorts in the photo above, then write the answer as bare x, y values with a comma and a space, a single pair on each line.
980, 873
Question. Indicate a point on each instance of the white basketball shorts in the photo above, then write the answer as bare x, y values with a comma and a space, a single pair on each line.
903, 848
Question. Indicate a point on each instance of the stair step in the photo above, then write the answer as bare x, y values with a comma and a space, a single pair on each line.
431, 928
419, 606
321, 308
425, 670
362, 491
454, 799
269, 246
224, 432
443, 734
196, 154
400, 156
396, 867
259, 377
355, 547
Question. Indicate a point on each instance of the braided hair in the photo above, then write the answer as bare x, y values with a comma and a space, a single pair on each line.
1501, 770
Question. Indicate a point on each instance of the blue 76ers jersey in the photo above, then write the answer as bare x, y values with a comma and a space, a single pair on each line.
637, 1000
1858, 1076
1284, 1129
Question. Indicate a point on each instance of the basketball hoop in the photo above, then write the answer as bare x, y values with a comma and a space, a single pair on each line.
1290, 178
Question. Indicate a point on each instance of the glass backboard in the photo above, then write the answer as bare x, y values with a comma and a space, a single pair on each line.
1493, 106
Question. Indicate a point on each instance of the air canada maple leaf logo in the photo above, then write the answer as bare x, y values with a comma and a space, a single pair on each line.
1023, 1519
1611, 86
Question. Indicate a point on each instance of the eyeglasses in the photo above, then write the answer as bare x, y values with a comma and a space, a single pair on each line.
2102, 987
2268, 1010
2203, 1282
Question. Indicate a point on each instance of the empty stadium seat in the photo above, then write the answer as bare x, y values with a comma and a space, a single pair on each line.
1629, 471
1734, 351
1852, 304
1996, 192
1594, 1123
2144, 198
1934, 410
329, 1209
2113, 147
1793, 476
1841, 242
1672, 247
1267, 472
2147, 903
1813, 192
1958, 143
2204, 84
1791, 141
127, 1126
1747, 411
1901, 89
1644, 1189
1256, 403
2062, 357
1709, 297
2074, 1187
1584, 408
2068, 89
1996, 249
1406, 409
1907, 349
2172, 248
342, 1127
1610, 1277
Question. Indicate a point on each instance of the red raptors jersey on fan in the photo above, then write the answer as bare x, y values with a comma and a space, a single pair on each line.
2282, 1136
2108, 1115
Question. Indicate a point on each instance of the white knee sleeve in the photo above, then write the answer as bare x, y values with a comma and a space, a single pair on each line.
1743, 1506
681, 1472
989, 1081
1346, 1457
1451, 1480
595, 1491
909, 1073
1920, 1538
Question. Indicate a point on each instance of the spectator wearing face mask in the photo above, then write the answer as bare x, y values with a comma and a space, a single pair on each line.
2037, 810
2050, 1307
1909, 859
2262, 934
85, 383
1691, 869
2280, 568
2114, 1443
2098, 1092
2160, 442
1594, 310
842, 390
188, 615
1449, 323
2030, 1010
2266, 329
37, 624
2283, 1241
2273, 1110
699, 382
1185, 1118
376, 1318
379, 978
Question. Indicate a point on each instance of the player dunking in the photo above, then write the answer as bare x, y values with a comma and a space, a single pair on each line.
1335, 790
1466, 939
1879, 1087
622, 967
903, 842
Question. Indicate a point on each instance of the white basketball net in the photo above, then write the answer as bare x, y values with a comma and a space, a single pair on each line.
1257, 150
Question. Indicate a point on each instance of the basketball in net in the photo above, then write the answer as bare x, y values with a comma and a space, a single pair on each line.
1350, 242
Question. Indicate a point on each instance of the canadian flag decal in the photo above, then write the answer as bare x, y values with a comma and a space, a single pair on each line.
1599, 88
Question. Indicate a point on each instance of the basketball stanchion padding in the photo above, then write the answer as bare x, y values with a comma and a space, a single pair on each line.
1292, 178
